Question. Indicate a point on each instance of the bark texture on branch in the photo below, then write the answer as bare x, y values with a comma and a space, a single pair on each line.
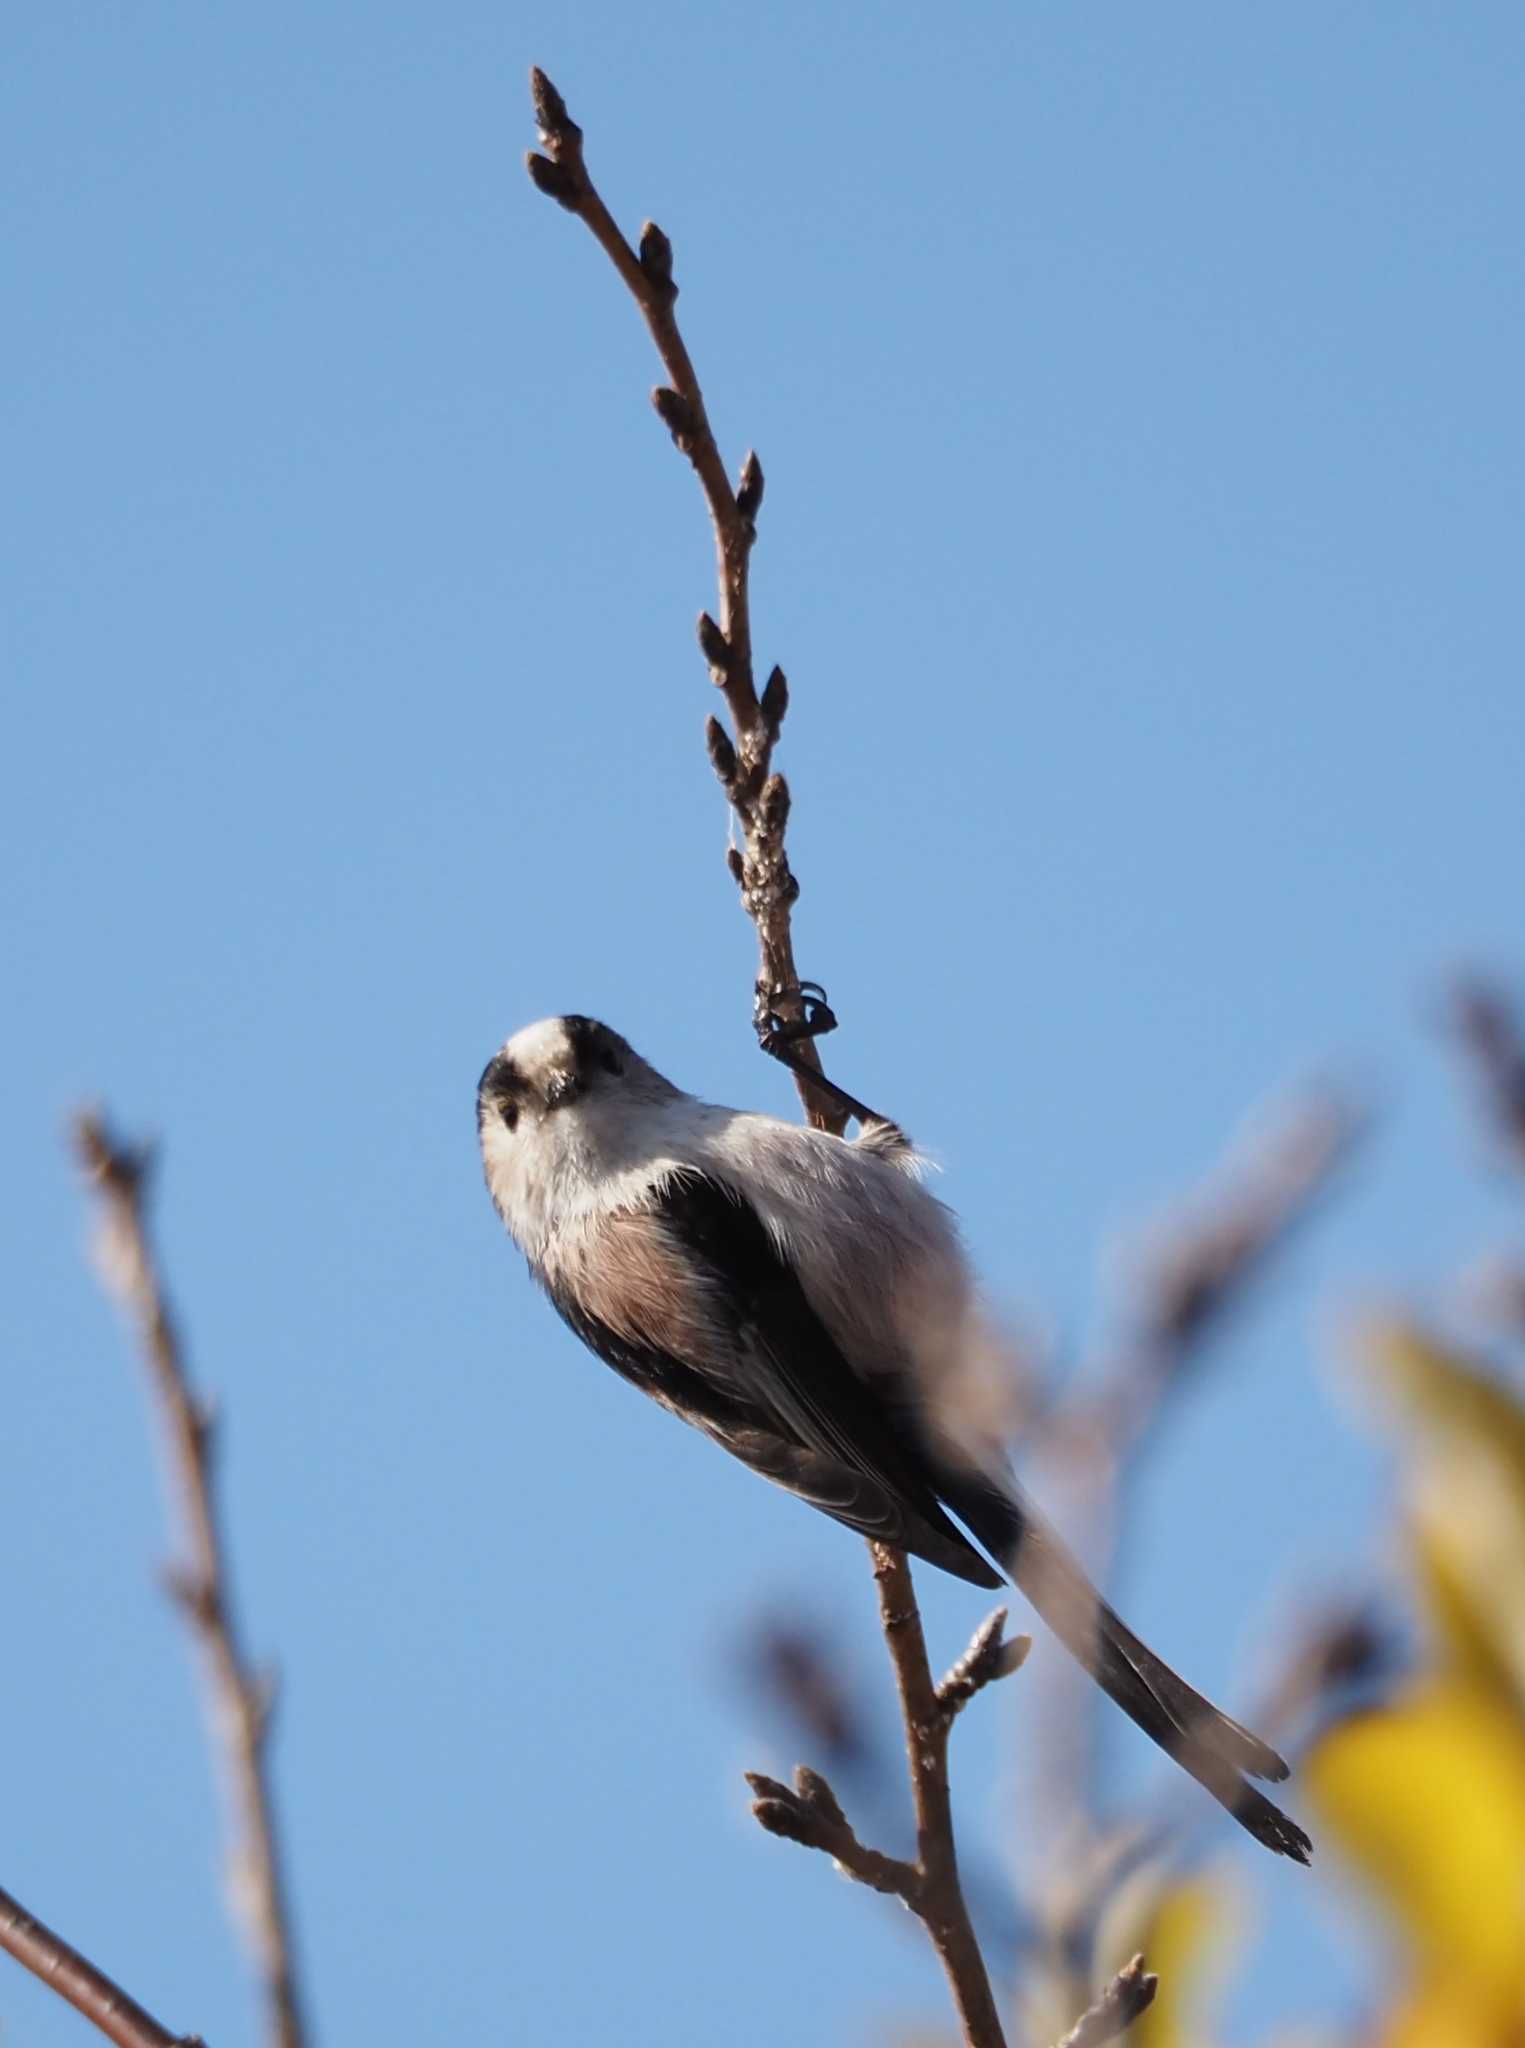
743, 757
240, 1696
81, 1984
807, 1812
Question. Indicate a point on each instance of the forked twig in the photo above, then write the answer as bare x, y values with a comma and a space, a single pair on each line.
929, 1717
808, 1812
1203, 1261
241, 1697
80, 1984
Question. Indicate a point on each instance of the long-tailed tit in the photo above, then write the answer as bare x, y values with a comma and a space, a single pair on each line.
807, 1304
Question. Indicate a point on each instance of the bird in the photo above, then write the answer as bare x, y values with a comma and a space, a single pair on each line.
804, 1301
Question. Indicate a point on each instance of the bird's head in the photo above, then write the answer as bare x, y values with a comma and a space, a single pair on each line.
560, 1108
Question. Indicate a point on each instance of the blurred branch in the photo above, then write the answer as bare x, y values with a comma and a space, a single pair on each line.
808, 1812
1198, 1268
1490, 1034
1343, 1645
80, 1984
742, 759
241, 1698
1492, 1289
1130, 1993
794, 1665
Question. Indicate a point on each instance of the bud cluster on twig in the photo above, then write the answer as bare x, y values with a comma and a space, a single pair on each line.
742, 757
1130, 1993
809, 1813
677, 415
655, 256
559, 173
749, 489
989, 1657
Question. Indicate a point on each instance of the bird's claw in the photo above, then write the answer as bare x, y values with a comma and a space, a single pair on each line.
779, 1035
775, 1031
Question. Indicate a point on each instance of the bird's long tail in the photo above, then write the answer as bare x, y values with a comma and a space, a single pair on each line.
1201, 1737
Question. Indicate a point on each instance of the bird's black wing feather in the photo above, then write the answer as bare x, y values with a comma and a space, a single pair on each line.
782, 1398
1201, 1737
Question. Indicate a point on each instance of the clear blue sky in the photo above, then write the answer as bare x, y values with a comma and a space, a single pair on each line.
1139, 392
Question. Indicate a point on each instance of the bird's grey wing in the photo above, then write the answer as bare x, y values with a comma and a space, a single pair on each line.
690, 1299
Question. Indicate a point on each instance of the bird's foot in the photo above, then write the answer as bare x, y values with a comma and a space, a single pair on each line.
775, 1031
779, 1035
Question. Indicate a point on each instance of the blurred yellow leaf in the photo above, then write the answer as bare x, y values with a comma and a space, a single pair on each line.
1445, 1393
1427, 1797
1468, 1492
1469, 1556
1446, 2012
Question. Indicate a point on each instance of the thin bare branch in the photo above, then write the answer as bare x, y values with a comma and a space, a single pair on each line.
1130, 1993
809, 1813
758, 795
742, 760
1200, 1265
241, 1697
77, 1981
939, 1902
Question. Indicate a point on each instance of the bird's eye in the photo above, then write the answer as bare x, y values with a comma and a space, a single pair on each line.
610, 1061
509, 1111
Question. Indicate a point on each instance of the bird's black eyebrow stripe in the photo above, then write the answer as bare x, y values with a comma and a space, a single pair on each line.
501, 1080
583, 1034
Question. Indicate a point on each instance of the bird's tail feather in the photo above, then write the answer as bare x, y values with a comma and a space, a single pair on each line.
1201, 1737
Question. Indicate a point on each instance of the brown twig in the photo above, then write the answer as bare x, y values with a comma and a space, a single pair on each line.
1130, 1993
80, 1984
241, 1697
743, 761
928, 1722
810, 1814
742, 758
